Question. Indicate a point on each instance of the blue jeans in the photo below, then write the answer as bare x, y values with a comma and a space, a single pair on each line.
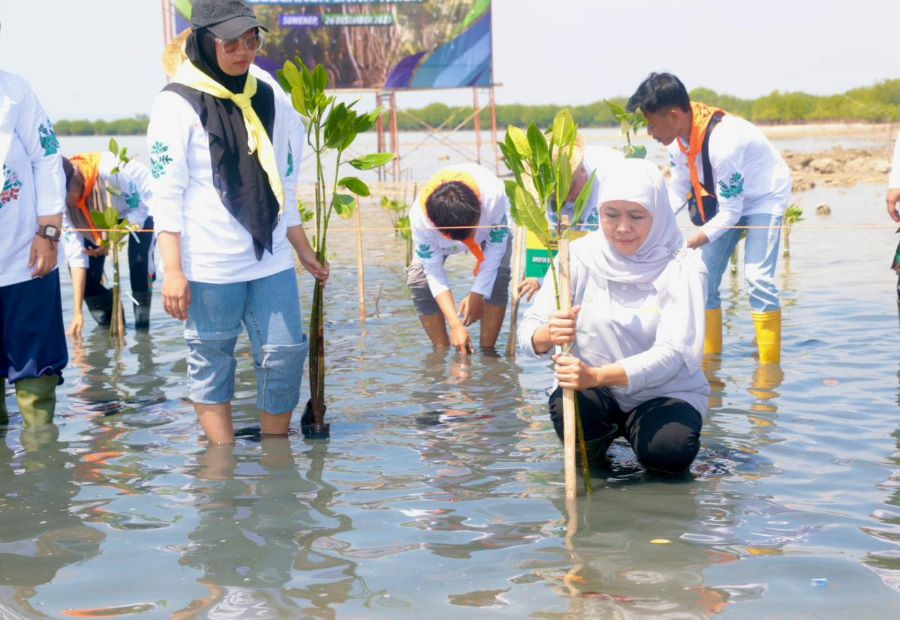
760, 260
269, 309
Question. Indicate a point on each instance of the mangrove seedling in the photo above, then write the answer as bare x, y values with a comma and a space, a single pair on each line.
629, 124
115, 235
541, 165
331, 128
399, 213
793, 215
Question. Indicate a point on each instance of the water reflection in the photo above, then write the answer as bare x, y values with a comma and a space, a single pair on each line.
264, 533
41, 533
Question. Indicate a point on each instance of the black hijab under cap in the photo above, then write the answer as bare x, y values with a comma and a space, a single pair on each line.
238, 176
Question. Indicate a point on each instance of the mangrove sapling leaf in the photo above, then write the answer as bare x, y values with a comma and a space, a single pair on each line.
518, 142
371, 161
344, 205
540, 152
355, 185
563, 179
583, 196
563, 128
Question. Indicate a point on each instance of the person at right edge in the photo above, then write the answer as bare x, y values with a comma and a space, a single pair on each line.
893, 208
734, 180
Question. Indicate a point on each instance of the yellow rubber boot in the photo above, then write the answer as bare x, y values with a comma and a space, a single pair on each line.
712, 342
768, 336
4, 414
37, 399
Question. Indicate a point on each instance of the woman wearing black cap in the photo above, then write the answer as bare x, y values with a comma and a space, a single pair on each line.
224, 176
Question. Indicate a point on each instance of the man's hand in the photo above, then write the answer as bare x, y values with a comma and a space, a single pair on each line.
528, 287
893, 203
176, 295
573, 374
697, 240
43, 256
471, 308
460, 339
312, 265
97, 251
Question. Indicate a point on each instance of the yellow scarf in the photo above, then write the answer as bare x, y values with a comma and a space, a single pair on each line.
89, 166
449, 176
257, 139
701, 114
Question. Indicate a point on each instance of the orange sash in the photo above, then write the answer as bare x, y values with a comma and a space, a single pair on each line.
89, 166
702, 115
450, 176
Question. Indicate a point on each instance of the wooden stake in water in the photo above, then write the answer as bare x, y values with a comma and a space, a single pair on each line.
570, 431
516, 280
360, 270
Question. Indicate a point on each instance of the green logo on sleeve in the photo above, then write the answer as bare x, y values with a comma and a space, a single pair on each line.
49, 141
424, 251
734, 187
159, 159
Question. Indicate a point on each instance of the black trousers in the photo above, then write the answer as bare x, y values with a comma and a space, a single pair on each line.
663, 432
138, 259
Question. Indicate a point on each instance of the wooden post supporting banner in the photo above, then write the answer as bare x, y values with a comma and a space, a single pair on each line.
570, 432
477, 120
494, 132
379, 129
395, 138
518, 243
360, 267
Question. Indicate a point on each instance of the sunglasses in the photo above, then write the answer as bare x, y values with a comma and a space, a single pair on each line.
251, 41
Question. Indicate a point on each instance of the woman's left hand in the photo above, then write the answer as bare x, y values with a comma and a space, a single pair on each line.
573, 374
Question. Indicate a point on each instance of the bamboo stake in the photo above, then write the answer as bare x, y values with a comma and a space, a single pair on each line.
360, 268
516, 281
570, 432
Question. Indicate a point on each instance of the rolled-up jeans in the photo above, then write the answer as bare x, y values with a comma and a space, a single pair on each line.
269, 309
760, 260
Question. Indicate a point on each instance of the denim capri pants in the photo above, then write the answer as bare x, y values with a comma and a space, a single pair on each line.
269, 309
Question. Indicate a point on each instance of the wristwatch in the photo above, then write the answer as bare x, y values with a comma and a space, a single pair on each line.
51, 232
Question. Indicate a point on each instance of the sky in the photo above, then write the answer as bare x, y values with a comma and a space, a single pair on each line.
101, 58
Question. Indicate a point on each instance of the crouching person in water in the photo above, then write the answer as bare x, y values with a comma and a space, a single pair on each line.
637, 324
223, 200
461, 208
84, 173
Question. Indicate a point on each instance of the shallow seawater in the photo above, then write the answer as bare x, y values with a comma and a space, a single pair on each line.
440, 491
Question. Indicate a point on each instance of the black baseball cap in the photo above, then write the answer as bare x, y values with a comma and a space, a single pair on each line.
226, 19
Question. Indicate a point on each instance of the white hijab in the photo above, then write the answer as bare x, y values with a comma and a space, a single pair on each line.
640, 181
662, 260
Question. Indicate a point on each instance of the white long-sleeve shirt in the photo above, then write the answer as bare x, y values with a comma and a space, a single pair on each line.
215, 248
131, 201
33, 182
894, 180
432, 247
627, 324
750, 175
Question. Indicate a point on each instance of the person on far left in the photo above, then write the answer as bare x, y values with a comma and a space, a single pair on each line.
32, 337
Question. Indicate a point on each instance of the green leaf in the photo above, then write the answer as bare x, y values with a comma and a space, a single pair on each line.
113, 146
321, 78
371, 161
285, 84
563, 129
563, 177
530, 215
355, 185
539, 152
517, 140
343, 204
582, 199
617, 110
635, 152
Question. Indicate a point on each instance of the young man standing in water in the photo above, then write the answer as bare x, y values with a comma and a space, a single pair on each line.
463, 207
735, 180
